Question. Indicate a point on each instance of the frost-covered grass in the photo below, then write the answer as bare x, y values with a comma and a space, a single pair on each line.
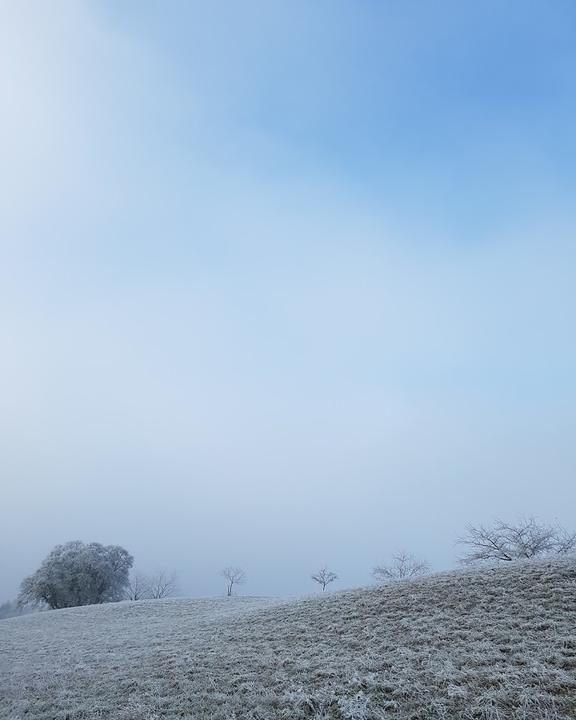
494, 644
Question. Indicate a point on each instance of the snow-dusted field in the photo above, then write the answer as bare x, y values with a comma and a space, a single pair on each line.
491, 644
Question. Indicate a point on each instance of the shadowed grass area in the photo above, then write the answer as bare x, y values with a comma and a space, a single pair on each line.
491, 644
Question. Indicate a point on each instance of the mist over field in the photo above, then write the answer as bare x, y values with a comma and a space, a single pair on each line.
283, 285
287, 398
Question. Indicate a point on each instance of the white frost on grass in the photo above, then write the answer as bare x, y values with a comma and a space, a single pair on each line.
491, 644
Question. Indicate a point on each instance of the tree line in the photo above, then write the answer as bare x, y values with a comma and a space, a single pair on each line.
79, 573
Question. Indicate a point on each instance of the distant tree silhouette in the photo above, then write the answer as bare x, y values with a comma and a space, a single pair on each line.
233, 576
324, 577
162, 584
403, 567
504, 542
78, 574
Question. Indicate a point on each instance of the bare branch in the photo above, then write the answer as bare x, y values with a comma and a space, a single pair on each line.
504, 542
146, 587
404, 566
233, 576
324, 577
163, 584
138, 587
565, 542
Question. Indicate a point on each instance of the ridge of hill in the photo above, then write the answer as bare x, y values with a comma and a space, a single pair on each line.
486, 644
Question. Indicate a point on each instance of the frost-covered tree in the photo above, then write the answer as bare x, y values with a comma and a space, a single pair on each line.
403, 566
233, 576
78, 574
504, 542
324, 577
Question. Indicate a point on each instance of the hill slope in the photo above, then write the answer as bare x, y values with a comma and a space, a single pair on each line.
492, 644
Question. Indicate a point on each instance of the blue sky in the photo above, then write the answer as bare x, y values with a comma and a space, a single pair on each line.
413, 104
296, 278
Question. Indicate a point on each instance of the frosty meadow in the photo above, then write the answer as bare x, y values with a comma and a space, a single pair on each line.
485, 644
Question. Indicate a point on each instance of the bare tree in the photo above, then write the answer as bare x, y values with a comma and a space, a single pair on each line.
138, 587
504, 542
404, 566
324, 577
162, 584
233, 576
565, 541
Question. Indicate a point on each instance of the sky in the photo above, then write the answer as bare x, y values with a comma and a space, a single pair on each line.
284, 284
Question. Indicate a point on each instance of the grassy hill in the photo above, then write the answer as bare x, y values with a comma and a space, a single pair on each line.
490, 644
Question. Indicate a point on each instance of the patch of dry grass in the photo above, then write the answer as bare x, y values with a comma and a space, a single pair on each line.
491, 644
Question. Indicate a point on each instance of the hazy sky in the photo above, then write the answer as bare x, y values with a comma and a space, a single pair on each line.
284, 283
